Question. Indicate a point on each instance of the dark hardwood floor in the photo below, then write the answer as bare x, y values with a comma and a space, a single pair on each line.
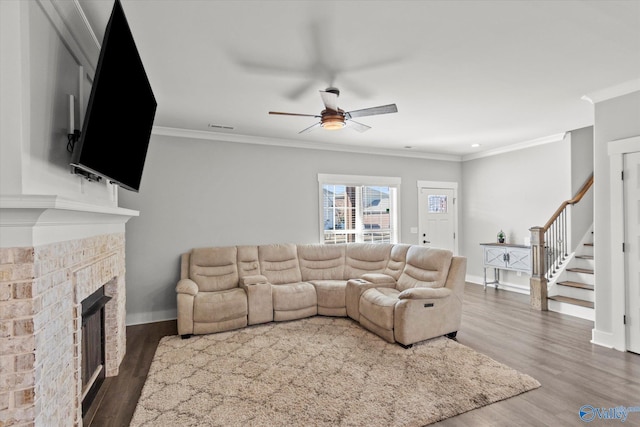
551, 347
116, 401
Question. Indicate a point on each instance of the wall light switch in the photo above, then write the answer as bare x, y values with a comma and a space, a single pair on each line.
414, 230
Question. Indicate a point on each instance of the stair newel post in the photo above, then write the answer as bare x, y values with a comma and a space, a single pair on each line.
538, 281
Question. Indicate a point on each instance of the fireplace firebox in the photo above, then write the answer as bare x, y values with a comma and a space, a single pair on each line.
93, 346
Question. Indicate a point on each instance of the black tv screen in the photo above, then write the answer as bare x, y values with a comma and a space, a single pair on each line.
119, 118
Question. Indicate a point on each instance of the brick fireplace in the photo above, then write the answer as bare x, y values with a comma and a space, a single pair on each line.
42, 287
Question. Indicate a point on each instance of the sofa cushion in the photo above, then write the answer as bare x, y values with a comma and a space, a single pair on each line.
220, 306
322, 262
330, 293
364, 258
293, 296
214, 269
279, 263
397, 260
378, 305
248, 263
426, 267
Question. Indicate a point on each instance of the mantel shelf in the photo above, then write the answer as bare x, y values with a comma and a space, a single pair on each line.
45, 202
30, 220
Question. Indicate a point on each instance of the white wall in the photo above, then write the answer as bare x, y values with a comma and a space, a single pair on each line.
39, 71
513, 192
616, 118
206, 193
12, 89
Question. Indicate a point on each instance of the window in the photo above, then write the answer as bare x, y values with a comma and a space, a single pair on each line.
437, 204
358, 209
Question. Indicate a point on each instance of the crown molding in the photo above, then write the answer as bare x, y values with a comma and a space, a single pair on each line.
613, 91
518, 146
292, 143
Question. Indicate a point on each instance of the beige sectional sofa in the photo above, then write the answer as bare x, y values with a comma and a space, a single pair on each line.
402, 293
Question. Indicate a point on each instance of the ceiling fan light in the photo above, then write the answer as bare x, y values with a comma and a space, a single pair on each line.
332, 121
333, 125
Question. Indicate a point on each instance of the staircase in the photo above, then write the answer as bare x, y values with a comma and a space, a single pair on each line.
562, 281
571, 289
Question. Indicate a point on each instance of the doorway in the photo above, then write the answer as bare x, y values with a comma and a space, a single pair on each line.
438, 215
631, 184
624, 162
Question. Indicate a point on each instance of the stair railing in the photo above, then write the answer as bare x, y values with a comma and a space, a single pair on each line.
549, 248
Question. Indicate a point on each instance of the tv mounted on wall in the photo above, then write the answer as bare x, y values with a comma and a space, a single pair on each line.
119, 117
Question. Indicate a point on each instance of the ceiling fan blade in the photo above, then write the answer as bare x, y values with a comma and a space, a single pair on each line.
330, 100
357, 126
297, 92
293, 114
383, 109
310, 128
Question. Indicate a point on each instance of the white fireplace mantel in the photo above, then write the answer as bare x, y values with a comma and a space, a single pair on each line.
34, 220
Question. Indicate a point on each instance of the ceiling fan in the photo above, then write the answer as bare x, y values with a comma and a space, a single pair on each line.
334, 118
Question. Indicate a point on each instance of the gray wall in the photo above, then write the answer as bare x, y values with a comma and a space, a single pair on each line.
206, 193
616, 118
581, 169
512, 192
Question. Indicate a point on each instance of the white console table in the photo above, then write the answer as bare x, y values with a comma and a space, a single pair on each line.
503, 256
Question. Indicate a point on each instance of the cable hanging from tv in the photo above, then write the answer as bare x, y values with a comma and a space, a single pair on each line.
72, 138
73, 134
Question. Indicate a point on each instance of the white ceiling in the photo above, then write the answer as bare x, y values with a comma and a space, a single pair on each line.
495, 73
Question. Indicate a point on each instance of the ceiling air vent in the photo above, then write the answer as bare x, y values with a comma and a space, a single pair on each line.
215, 126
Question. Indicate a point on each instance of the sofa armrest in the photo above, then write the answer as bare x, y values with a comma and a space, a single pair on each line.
253, 280
186, 289
456, 277
187, 286
378, 278
425, 293
354, 290
259, 300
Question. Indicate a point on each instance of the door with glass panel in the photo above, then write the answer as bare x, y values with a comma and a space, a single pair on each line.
437, 219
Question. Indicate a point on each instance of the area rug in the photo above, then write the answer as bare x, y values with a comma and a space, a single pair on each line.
318, 371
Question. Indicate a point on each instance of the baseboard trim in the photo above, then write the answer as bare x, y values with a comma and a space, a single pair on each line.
151, 317
512, 287
603, 339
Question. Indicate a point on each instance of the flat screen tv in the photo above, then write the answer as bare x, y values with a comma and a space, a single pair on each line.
119, 118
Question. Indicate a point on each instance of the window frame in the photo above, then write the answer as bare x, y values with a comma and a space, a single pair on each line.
359, 181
